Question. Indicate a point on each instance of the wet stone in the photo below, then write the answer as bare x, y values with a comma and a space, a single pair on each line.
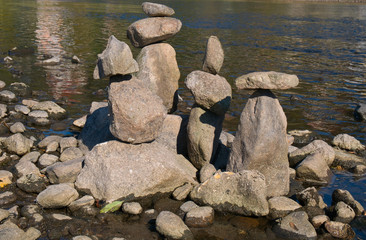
360, 111
3, 214
29, 102
319, 220
53, 109
343, 213
182, 192
339, 230
172, 226
32, 183
68, 142
7, 96
7, 198
133, 208
47, 159
347, 142
310, 197
85, 201
200, 217
188, 206
75, 59
5, 178
358, 169
17, 127
31, 157
70, 154
346, 197
2, 84
22, 109
29, 210
20, 89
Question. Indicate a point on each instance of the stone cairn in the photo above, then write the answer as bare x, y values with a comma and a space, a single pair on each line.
212, 94
261, 139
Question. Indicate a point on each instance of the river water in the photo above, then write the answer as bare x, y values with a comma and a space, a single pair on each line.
323, 43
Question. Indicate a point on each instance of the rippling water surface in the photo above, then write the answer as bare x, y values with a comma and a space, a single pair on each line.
324, 44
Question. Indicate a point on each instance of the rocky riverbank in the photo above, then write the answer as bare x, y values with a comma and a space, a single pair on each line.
138, 171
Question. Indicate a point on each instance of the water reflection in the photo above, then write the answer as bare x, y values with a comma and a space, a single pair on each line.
64, 79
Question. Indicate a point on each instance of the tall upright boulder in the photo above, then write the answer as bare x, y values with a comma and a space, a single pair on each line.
214, 56
160, 73
261, 143
204, 128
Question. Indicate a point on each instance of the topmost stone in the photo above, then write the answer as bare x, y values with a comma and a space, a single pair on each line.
267, 80
116, 59
157, 10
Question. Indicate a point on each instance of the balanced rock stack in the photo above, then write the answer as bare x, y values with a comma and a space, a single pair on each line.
139, 95
157, 61
212, 94
261, 142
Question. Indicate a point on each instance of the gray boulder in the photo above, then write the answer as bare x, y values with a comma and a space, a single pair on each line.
281, 206
182, 192
214, 56
116, 59
157, 10
203, 130
116, 170
96, 129
261, 142
314, 169
267, 80
53, 109
315, 146
151, 30
211, 92
172, 226
66, 172
207, 171
319, 220
241, 193
18, 144
360, 111
346, 197
7, 96
57, 196
295, 226
136, 114
160, 73
188, 206
347, 142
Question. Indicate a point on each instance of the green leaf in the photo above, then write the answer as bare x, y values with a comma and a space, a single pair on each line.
112, 207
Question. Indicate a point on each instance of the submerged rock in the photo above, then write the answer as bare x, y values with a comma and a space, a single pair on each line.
160, 73
137, 114
18, 144
261, 142
157, 10
7, 96
360, 111
241, 193
214, 56
151, 30
53, 109
200, 217
211, 92
347, 160
9, 230
116, 59
116, 170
